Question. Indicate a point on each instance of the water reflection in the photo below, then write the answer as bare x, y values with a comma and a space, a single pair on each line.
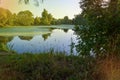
45, 36
58, 40
25, 37
65, 30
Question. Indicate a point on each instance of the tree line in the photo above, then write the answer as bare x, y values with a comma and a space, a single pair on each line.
26, 18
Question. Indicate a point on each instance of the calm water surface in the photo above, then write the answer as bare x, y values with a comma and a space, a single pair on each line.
39, 39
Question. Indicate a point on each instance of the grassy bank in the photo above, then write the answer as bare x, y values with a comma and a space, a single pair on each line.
56, 67
42, 67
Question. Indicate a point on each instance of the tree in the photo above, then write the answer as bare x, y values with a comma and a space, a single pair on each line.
65, 20
25, 18
46, 18
5, 16
50, 18
37, 21
79, 20
13, 20
101, 33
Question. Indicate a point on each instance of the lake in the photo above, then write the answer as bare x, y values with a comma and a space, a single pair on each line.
38, 39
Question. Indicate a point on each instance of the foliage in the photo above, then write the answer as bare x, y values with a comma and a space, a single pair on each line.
45, 67
46, 18
100, 34
79, 20
64, 20
22, 18
5, 16
37, 21
13, 20
57, 21
50, 18
25, 18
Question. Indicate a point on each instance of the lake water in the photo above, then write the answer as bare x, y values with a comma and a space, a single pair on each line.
39, 39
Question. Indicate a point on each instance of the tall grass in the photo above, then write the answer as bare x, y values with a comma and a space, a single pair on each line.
50, 66
44, 67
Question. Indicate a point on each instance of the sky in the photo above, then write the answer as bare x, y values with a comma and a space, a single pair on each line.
58, 8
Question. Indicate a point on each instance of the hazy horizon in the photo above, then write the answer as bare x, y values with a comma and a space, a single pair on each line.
58, 8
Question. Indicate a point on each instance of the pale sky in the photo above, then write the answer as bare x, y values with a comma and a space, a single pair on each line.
58, 8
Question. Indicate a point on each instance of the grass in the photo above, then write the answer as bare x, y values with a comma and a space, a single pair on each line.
48, 66
42, 67
109, 68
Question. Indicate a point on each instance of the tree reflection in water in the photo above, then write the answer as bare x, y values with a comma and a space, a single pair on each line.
45, 36
25, 37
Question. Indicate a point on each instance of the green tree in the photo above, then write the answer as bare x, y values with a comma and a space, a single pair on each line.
50, 18
54, 21
66, 20
37, 21
101, 33
46, 18
14, 19
5, 16
79, 20
25, 18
